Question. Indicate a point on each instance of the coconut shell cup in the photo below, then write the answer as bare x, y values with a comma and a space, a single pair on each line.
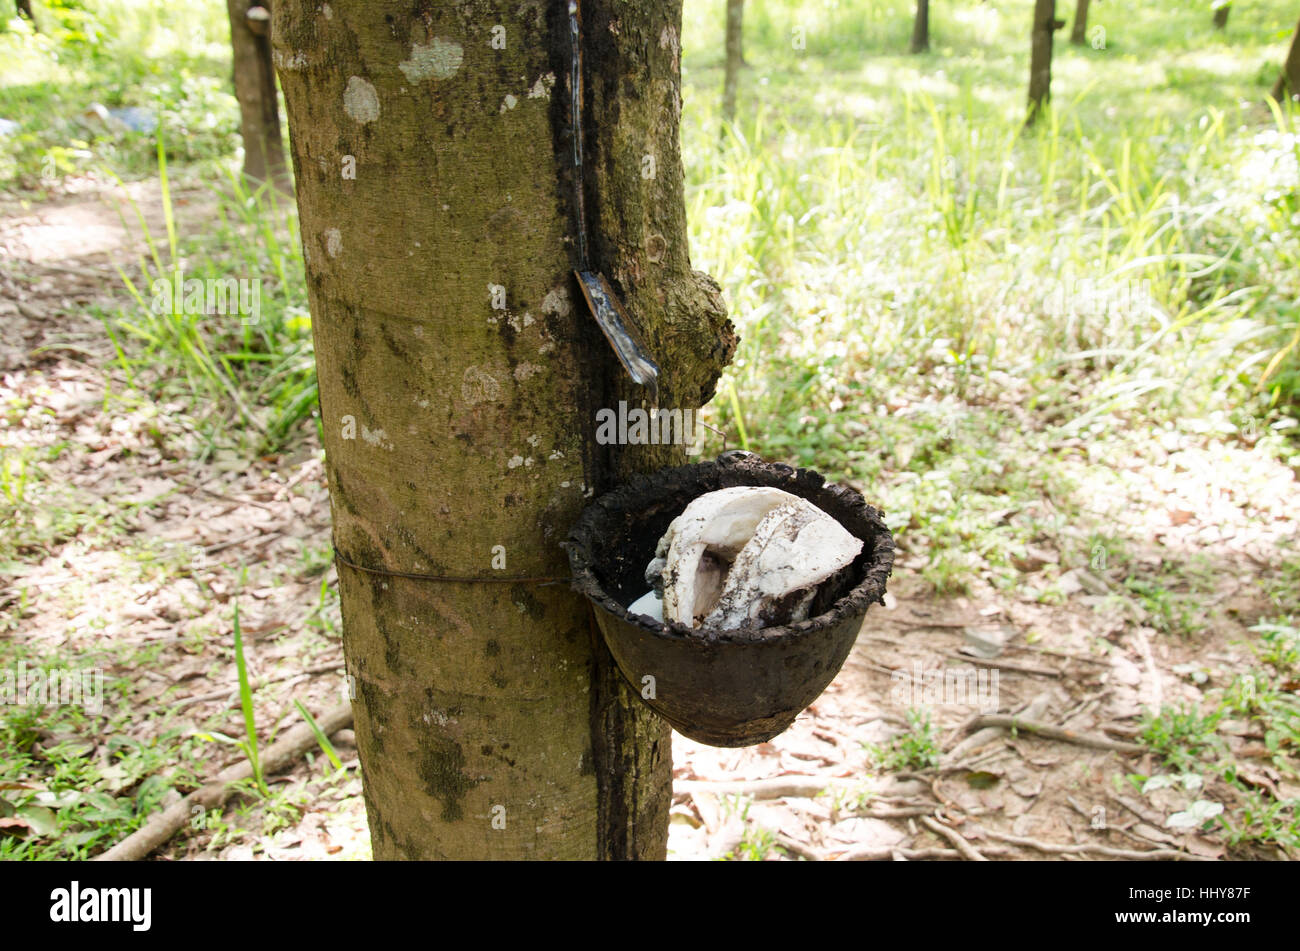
724, 688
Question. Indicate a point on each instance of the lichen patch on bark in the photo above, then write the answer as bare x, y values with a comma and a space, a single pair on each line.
439, 58
361, 101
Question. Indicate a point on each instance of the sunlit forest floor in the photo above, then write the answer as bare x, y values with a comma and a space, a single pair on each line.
1058, 359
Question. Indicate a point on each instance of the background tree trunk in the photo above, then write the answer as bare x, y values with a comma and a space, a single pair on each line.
921, 27
1288, 84
1079, 29
1040, 60
259, 111
434, 172
24, 8
1221, 16
735, 57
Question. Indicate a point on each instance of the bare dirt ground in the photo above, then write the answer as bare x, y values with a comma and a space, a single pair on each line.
164, 543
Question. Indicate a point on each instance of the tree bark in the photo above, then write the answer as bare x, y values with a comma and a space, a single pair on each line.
735, 57
921, 27
1288, 84
259, 111
1040, 60
1079, 29
1221, 16
460, 374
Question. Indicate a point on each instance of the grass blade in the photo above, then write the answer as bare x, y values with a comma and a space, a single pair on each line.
326, 747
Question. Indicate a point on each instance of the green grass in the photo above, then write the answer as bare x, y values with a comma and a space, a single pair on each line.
82, 781
917, 748
930, 301
321, 739
249, 743
1181, 735
756, 845
1279, 643
1171, 598
79, 777
249, 380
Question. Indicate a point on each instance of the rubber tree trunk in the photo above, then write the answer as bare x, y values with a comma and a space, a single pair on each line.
1288, 84
259, 111
1079, 29
459, 379
24, 8
735, 57
921, 27
1040, 60
1221, 16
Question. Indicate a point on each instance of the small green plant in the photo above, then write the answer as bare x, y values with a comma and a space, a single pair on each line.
1260, 819
249, 743
915, 749
1279, 643
1181, 735
1165, 610
326, 747
325, 616
757, 845
736, 805
842, 799
283, 810
1283, 590
1187, 740
76, 782
314, 559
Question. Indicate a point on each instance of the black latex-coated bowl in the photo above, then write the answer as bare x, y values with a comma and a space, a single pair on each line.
726, 688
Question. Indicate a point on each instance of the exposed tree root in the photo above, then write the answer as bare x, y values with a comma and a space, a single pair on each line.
1054, 733
1154, 855
952, 835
